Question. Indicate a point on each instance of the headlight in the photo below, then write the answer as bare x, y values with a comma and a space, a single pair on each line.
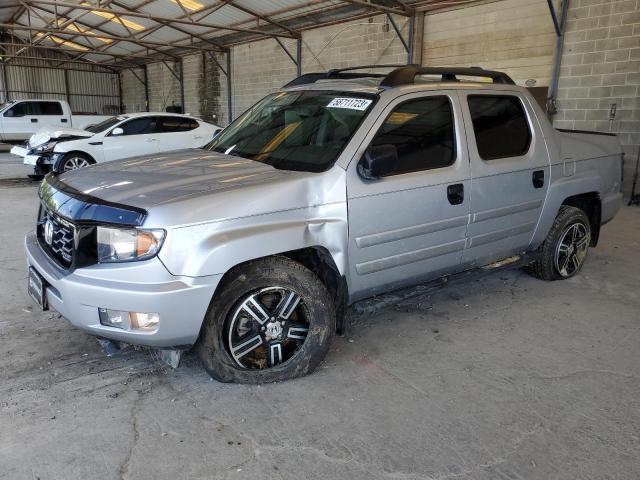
45, 147
126, 245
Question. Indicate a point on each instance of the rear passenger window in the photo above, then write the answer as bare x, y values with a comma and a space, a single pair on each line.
140, 126
500, 126
178, 124
50, 108
422, 131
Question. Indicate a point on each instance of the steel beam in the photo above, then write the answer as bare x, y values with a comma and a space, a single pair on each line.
402, 10
285, 50
554, 18
5, 84
181, 80
65, 50
399, 33
299, 57
229, 92
142, 43
155, 18
557, 61
146, 87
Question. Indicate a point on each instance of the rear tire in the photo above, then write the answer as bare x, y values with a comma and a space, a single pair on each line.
564, 251
270, 320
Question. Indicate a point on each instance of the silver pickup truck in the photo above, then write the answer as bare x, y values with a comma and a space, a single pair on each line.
340, 186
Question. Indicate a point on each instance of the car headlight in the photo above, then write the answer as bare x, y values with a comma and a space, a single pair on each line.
45, 147
127, 245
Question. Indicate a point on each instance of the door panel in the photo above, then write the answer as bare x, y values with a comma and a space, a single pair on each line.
403, 228
17, 122
507, 192
177, 133
140, 138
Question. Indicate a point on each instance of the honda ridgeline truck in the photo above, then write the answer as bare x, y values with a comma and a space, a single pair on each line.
340, 186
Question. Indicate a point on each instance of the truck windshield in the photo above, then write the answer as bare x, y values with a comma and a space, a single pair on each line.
304, 130
102, 126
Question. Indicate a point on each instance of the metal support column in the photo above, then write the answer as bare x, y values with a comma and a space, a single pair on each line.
229, 92
146, 87
299, 56
557, 55
120, 100
5, 83
417, 37
181, 81
66, 86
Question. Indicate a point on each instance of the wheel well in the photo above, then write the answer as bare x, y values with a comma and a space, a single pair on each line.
590, 204
320, 262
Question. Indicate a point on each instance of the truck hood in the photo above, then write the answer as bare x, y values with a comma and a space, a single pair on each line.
199, 186
46, 134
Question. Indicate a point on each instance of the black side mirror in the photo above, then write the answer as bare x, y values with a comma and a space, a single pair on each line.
378, 161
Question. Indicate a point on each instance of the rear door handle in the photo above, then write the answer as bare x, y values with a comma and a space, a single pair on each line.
537, 178
34, 120
455, 193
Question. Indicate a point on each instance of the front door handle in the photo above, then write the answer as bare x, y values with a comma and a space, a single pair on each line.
34, 120
538, 179
455, 193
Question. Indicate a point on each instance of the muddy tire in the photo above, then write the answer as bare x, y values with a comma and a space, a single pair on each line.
564, 251
270, 320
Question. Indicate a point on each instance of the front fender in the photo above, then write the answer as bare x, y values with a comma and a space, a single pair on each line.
214, 248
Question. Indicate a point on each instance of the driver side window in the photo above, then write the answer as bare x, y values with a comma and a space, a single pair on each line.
422, 130
18, 110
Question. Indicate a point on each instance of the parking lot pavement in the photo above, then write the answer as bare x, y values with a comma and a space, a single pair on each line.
499, 377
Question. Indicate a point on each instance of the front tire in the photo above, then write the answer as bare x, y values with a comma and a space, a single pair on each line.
74, 161
270, 320
564, 251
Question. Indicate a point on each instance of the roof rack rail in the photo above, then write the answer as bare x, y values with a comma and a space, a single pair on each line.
406, 75
402, 75
340, 73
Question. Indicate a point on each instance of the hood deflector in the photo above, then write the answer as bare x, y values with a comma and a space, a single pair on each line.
80, 207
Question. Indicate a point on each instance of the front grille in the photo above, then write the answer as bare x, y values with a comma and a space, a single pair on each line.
60, 242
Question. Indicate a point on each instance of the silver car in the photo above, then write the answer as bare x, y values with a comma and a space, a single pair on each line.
338, 187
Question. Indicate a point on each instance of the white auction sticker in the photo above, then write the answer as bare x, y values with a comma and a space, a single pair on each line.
350, 103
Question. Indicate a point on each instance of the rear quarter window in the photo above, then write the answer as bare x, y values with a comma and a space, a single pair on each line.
500, 126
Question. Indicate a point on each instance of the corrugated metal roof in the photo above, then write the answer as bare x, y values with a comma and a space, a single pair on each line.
150, 27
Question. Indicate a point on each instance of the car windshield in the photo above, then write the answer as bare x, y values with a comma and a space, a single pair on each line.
303, 130
102, 126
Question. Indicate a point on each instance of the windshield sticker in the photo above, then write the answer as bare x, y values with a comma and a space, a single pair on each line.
350, 103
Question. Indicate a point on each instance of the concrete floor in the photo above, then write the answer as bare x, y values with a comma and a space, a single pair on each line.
503, 377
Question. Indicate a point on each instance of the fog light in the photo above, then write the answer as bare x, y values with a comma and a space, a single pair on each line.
114, 318
144, 321
129, 320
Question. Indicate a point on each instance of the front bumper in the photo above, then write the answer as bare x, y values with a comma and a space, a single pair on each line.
146, 286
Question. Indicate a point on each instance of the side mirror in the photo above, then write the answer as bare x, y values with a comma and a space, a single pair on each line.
117, 131
378, 161
10, 113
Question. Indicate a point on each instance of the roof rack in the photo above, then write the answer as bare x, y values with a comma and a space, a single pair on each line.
340, 73
403, 75
406, 75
